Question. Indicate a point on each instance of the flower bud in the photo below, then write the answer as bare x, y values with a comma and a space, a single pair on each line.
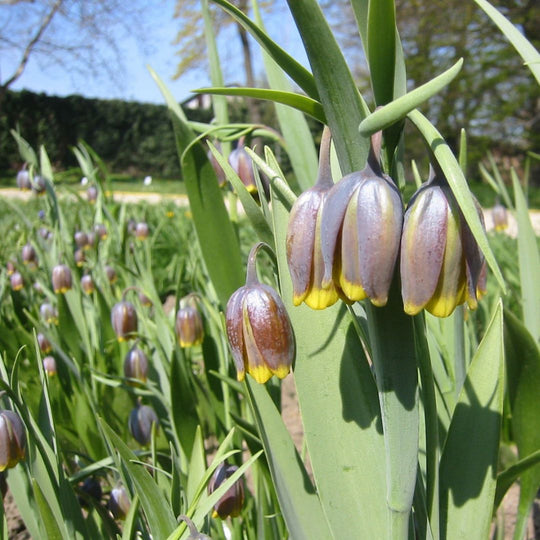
441, 264
259, 330
44, 344
61, 279
500, 217
304, 256
40, 185
119, 503
189, 325
110, 272
136, 364
48, 313
141, 231
90, 491
12, 439
10, 268
49, 365
29, 255
144, 300
87, 284
140, 423
79, 257
242, 164
23, 180
124, 320
231, 503
92, 194
81, 239
100, 230
17, 281
360, 233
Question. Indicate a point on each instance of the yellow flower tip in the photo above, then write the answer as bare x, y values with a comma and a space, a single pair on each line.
500, 228
121, 339
261, 373
17, 287
299, 298
240, 376
353, 291
215, 515
442, 306
282, 371
412, 309
379, 302
62, 290
321, 298
252, 189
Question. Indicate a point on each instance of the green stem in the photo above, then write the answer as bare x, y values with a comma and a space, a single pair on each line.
394, 358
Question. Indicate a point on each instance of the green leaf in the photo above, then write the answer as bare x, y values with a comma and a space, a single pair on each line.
530, 55
523, 366
26, 151
296, 101
214, 229
469, 458
197, 466
454, 175
381, 51
158, 512
296, 71
343, 105
506, 478
400, 107
529, 262
299, 503
293, 124
46, 515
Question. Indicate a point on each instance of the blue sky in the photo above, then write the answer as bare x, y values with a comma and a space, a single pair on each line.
135, 83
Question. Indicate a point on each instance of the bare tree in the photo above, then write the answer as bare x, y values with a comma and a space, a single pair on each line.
82, 36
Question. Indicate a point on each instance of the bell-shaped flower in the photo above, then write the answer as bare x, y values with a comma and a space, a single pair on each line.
136, 364
119, 503
61, 278
23, 180
140, 423
304, 255
231, 503
189, 324
360, 232
499, 214
124, 320
258, 328
242, 164
16, 280
49, 365
12, 439
87, 284
441, 263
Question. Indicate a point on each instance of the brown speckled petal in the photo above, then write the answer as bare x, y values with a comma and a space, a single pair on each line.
235, 333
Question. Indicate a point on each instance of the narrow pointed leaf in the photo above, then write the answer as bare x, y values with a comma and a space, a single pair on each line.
400, 107
296, 101
469, 458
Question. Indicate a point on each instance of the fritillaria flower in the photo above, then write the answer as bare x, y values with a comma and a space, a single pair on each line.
499, 215
90, 491
304, 256
441, 263
48, 313
40, 185
119, 503
44, 344
79, 257
87, 284
29, 255
360, 232
23, 180
141, 231
61, 279
189, 324
141, 419
10, 268
124, 320
92, 194
16, 280
242, 164
258, 328
49, 365
81, 239
100, 230
12, 439
136, 364
231, 503
144, 300
110, 272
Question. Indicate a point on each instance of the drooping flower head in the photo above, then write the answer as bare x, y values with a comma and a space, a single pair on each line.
441, 263
231, 503
360, 232
258, 328
140, 423
61, 278
12, 439
242, 164
124, 320
304, 255
189, 324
